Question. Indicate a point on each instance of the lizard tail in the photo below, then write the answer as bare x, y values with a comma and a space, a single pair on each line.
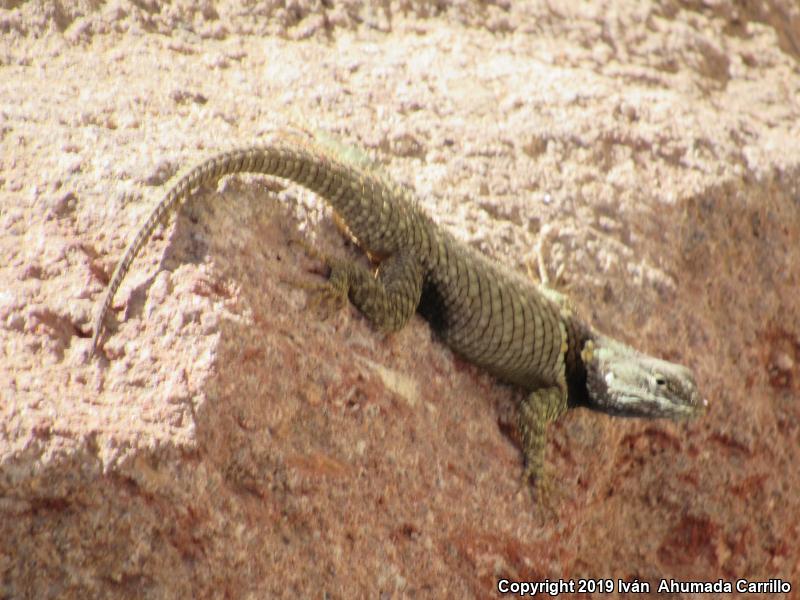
359, 198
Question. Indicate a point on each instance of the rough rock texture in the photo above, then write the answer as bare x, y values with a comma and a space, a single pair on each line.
232, 444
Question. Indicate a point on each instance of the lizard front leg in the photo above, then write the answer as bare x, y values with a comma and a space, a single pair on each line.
536, 412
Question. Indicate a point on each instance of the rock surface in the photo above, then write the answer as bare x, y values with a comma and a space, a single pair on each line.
232, 444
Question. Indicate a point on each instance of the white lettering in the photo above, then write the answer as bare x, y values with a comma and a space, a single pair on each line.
633, 587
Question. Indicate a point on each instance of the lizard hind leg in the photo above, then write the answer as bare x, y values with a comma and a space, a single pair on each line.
327, 296
536, 412
388, 301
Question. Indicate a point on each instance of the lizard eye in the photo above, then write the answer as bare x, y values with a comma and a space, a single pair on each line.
660, 380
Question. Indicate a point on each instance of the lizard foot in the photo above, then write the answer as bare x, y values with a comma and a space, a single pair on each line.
539, 483
312, 251
325, 297
536, 412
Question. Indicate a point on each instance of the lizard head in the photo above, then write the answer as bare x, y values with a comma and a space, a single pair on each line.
623, 381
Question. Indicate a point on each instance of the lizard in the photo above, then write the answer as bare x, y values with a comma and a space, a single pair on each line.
524, 334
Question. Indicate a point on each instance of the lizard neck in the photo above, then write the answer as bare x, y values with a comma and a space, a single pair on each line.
578, 333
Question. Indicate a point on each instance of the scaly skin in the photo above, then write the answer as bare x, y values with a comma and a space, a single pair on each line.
492, 317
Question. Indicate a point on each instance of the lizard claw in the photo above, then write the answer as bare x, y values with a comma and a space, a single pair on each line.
325, 297
539, 483
311, 250
540, 486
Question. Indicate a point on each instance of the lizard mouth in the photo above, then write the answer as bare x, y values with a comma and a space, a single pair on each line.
626, 405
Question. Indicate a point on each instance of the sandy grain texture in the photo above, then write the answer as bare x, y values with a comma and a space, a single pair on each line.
230, 444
